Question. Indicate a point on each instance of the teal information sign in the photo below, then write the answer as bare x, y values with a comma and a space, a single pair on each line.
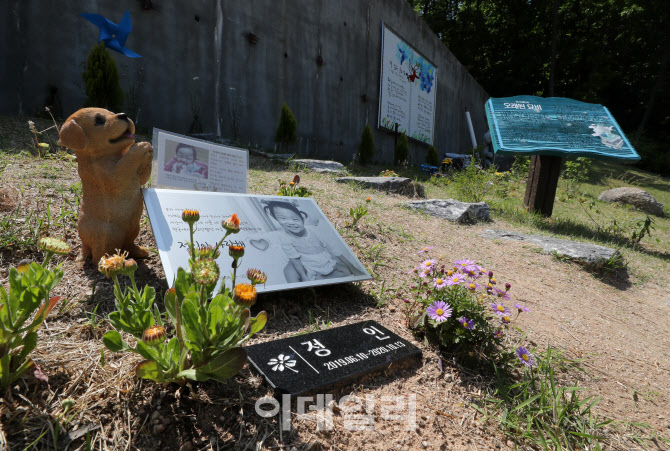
555, 126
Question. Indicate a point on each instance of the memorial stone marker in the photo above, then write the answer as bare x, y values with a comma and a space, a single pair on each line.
307, 363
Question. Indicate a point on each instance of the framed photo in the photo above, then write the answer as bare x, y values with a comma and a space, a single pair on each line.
190, 163
288, 238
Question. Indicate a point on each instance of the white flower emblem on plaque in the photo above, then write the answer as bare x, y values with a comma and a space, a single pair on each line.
282, 361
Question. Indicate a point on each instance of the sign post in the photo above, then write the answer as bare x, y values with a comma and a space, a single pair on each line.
548, 129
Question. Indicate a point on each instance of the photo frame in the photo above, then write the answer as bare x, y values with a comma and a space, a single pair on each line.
188, 163
288, 238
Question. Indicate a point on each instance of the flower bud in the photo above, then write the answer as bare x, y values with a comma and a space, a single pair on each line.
236, 251
190, 216
53, 245
129, 267
256, 276
207, 252
296, 179
205, 271
154, 336
508, 286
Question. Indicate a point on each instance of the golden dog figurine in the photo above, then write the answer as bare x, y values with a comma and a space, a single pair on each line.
112, 169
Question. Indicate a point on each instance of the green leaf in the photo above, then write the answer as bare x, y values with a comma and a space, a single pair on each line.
148, 369
258, 323
29, 343
113, 341
148, 352
191, 321
170, 301
215, 318
4, 370
194, 375
226, 364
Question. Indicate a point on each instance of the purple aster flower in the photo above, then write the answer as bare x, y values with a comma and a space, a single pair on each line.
425, 272
472, 272
463, 263
498, 334
455, 279
428, 264
439, 311
439, 283
469, 324
501, 293
521, 308
425, 249
472, 286
525, 357
499, 309
505, 319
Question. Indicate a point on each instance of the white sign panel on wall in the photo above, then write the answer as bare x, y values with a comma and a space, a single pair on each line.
288, 238
407, 89
194, 164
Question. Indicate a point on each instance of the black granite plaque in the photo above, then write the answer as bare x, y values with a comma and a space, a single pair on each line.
306, 363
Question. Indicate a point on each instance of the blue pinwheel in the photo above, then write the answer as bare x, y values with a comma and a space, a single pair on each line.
114, 36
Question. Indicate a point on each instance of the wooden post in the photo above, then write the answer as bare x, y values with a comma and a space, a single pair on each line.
542, 183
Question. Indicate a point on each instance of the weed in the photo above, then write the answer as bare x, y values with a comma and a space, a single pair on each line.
357, 214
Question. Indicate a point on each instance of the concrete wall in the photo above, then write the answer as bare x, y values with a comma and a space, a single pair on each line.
46, 43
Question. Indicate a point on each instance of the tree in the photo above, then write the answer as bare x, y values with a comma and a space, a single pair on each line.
431, 156
287, 130
366, 149
102, 80
401, 152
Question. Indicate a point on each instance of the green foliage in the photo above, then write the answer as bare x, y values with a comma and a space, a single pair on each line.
209, 327
366, 149
431, 156
576, 172
521, 166
293, 189
101, 78
472, 184
401, 151
22, 311
537, 410
287, 130
388, 173
357, 214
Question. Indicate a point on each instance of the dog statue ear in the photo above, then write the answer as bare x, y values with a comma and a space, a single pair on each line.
72, 136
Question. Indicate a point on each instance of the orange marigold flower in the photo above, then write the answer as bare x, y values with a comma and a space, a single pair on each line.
231, 224
367, 199
190, 216
113, 265
154, 335
245, 294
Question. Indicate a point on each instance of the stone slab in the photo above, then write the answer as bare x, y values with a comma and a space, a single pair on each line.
453, 210
401, 185
321, 166
590, 254
312, 362
636, 197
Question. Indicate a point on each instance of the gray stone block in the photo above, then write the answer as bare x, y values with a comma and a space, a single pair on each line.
321, 165
453, 210
591, 255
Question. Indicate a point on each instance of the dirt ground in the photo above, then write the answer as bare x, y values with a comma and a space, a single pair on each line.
617, 325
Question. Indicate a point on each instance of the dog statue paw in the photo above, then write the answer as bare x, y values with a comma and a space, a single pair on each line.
112, 169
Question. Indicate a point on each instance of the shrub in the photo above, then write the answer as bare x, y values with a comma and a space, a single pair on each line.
24, 308
431, 156
401, 152
287, 130
472, 184
209, 328
366, 149
102, 80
